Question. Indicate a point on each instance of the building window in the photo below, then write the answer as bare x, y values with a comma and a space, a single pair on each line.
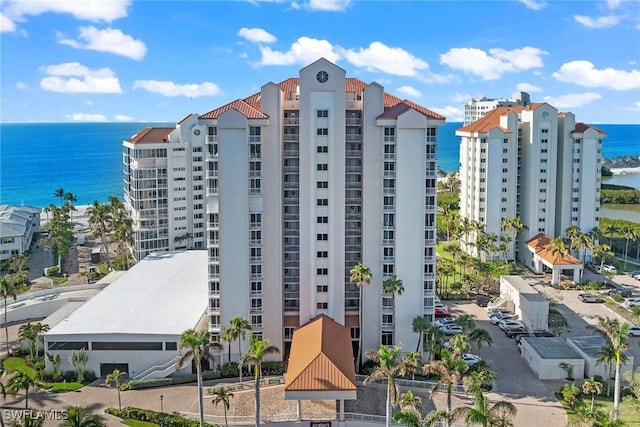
254, 134
322, 184
322, 305
256, 321
322, 131
322, 113
323, 220
322, 149
387, 269
389, 135
386, 338
322, 237
322, 254
388, 219
255, 186
288, 332
322, 167
322, 271
322, 202
323, 289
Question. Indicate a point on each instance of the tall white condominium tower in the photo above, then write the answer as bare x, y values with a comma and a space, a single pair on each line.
476, 108
164, 189
305, 179
534, 163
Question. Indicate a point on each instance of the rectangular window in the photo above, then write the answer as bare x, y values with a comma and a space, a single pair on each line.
322, 113
322, 167
322, 184
323, 220
322, 305
322, 202
323, 289
322, 271
322, 254
322, 149
322, 237
322, 131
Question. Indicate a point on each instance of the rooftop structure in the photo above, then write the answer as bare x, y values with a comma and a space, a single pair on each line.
17, 226
474, 109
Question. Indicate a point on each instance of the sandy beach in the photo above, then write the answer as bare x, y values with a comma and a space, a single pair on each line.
624, 171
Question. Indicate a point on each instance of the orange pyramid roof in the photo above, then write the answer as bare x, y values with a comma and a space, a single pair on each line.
321, 357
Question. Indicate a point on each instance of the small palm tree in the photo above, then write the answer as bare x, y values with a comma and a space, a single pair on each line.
258, 350
466, 323
592, 386
420, 326
197, 345
450, 370
20, 381
223, 395
558, 249
390, 365
360, 274
393, 286
79, 361
237, 329
116, 378
617, 335
7, 290
80, 417
480, 336
29, 421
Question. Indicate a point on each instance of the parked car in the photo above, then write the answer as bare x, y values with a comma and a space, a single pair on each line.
509, 323
634, 330
624, 292
634, 273
471, 359
441, 305
498, 317
632, 302
439, 312
495, 311
451, 329
606, 268
512, 331
445, 321
586, 297
482, 300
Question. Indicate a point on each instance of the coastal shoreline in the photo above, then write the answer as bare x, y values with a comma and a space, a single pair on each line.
624, 171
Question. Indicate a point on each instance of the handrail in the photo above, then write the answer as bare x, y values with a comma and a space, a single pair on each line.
156, 368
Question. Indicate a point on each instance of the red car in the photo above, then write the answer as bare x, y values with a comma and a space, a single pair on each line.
440, 312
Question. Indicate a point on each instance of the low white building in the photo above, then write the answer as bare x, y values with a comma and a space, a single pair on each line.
531, 307
590, 349
17, 226
135, 324
545, 354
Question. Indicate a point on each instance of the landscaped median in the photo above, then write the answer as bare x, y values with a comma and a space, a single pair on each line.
143, 417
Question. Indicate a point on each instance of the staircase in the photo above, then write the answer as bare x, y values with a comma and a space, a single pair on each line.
496, 304
159, 371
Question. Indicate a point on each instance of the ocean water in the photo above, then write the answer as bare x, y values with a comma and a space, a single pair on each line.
86, 158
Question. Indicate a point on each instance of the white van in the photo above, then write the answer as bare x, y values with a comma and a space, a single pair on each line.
81, 239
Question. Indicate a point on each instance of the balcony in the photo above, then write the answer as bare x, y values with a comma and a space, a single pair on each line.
353, 137
389, 156
291, 153
291, 122
291, 184
353, 121
354, 153
291, 137
212, 138
292, 169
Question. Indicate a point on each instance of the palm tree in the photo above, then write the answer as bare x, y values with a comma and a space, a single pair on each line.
7, 290
116, 378
223, 395
466, 322
360, 274
484, 414
450, 370
100, 220
583, 243
80, 417
629, 233
60, 194
607, 357
238, 328
79, 361
20, 381
393, 286
617, 335
602, 252
572, 233
389, 366
258, 350
611, 230
32, 333
227, 336
558, 250
432, 344
196, 344
420, 326
592, 387
459, 344
479, 336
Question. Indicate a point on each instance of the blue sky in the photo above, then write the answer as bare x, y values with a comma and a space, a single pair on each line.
121, 60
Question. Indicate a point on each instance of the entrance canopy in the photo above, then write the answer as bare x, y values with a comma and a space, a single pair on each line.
321, 362
539, 246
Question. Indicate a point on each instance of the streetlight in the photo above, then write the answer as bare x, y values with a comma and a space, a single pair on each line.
161, 406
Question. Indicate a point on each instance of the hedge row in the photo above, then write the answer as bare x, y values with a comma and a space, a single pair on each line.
160, 418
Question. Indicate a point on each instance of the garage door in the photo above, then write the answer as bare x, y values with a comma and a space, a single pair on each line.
108, 368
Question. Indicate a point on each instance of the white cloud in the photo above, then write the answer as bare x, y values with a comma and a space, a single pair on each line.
613, 4
123, 118
600, 22
108, 40
304, 51
256, 35
453, 114
73, 77
96, 11
6, 24
492, 65
168, 88
21, 86
329, 5
461, 98
409, 91
533, 4
391, 60
583, 73
572, 100
86, 117
527, 87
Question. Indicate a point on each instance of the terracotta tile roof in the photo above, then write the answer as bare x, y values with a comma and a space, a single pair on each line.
491, 120
244, 108
535, 105
582, 127
151, 136
288, 86
321, 357
540, 245
395, 110
184, 119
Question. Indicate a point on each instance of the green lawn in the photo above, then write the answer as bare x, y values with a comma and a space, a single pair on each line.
15, 364
629, 412
63, 387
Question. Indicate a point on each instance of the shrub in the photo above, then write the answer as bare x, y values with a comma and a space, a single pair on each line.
53, 270
593, 285
229, 370
617, 298
272, 368
636, 310
368, 367
160, 418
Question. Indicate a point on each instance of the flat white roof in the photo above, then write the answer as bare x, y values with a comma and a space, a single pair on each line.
165, 293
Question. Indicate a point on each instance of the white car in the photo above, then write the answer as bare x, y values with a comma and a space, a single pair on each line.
606, 268
632, 302
510, 323
495, 311
445, 321
441, 305
634, 330
496, 319
451, 329
471, 359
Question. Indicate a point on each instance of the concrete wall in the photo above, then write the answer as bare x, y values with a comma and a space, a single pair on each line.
549, 369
